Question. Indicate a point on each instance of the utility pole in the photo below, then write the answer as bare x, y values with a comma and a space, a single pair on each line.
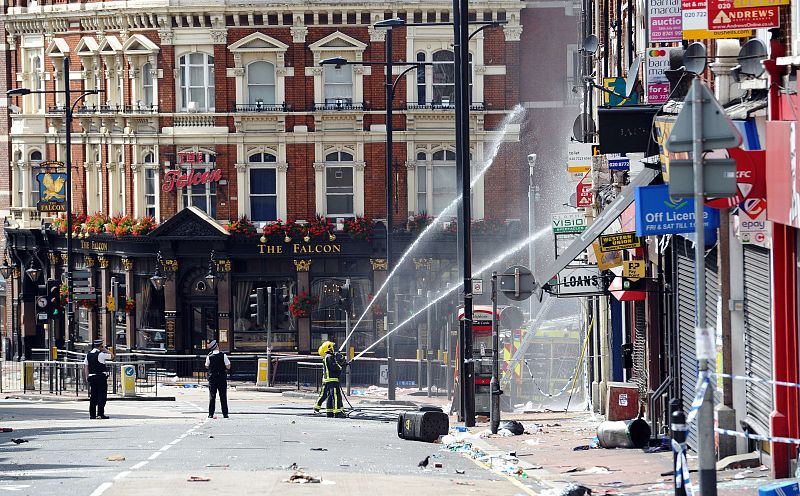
270, 323
494, 384
429, 346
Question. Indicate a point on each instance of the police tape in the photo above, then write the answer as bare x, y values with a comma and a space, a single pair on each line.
703, 380
560, 391
757, 380
757, 437
681, 468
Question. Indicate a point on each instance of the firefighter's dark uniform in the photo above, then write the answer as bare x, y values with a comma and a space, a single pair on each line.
331, 391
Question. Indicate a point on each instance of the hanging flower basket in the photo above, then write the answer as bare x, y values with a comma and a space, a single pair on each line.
359, 228
302, 304
90, 304
417, 223
320, 226
130, 305
242, 227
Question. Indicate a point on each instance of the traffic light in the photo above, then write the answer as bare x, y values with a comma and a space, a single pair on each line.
53, 293
281, 309
344, 296
257, 305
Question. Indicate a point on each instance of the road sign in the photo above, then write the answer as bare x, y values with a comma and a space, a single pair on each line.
42, 316
722, 16
82, 289
85, 296
80, 274
477, 287
517, 283
718, 131
41, 302
633, 269
619, 241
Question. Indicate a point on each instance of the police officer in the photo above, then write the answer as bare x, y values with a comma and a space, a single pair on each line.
332, 366
218, 365
94, 366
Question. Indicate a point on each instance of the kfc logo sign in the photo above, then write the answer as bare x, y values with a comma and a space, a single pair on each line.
750, 176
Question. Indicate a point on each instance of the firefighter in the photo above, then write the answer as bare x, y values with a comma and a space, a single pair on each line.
332, 365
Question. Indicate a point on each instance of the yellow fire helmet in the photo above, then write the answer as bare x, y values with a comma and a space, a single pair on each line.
325, 348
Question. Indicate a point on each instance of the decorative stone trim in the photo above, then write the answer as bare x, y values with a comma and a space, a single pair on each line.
102, 261
64, 257
299, 33
127, 264
53, 257
377, 34
512, 33
90, 261
379, 264
170, 265
223, 265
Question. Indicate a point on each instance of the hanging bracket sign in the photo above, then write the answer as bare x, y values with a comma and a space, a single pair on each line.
619, 241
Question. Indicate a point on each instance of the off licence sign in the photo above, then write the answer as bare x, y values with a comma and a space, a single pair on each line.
619, 241
723, 15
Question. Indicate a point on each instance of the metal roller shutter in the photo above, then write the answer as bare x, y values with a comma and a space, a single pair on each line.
757, 337
685, 286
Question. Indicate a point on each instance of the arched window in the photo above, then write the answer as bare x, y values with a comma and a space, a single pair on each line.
261, 83
263, 187
36, 159
196, 82
443, 78
339, 196
421, 79
150, 189
422, 182
443, 186
147, 85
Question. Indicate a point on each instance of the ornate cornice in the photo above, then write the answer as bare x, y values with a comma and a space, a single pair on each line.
299, 33
102, 261
379, 264
512, 33
127, 264
219, 36
90, 261
223, 265
376, 34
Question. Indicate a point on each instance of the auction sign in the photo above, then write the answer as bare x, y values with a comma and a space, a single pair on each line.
666, 23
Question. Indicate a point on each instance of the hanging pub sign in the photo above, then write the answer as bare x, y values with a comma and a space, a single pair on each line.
52, 192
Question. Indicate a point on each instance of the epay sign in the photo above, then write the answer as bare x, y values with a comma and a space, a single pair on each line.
658, 213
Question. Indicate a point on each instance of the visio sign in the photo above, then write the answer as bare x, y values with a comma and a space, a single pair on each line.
569, 223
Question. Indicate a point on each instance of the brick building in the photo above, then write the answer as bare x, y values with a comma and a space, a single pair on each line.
233, 100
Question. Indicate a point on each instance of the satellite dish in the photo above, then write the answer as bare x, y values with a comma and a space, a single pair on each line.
590, 44
750, 57
694, 59
633, 73
583, 127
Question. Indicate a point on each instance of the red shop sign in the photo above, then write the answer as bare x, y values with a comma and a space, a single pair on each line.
583, 192
723, 16
174, 179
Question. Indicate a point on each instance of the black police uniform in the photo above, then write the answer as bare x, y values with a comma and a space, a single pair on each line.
217, 381
332, 366
98, 385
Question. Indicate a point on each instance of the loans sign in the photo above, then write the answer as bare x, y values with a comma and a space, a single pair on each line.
579, 281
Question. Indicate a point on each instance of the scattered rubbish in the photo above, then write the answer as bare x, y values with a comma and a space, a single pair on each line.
460, 429
189, 386
6, 429
660, 485
612, 484
552, 425
424, 462
582, 447
657, 449
748, 474
573, 470
291, 441
513, 426
533, 442
217, 465
300, 477
211, 436
576, 490
463, 483
624, 433
293, 466
319, 449
505, 433
115, 458
535, 467
437, 465
18, 440
460, 471
198, 478
598, 469
785, 487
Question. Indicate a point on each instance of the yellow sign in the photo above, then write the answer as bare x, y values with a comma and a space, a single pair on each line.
633, 269
606, 261
619, 241
740, 4
704, 34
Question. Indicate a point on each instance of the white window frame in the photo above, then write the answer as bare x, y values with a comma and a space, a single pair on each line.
338, 44
185, 84
251, 85
262, 165
37, 83
147, 72
150, 166
339, 163
333, 85
185, 194
33, 190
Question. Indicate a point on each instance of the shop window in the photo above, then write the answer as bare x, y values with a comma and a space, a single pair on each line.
196, 76
150, 320
338, 84
263, 187
247, 334
339, 195
328, 320
261, 83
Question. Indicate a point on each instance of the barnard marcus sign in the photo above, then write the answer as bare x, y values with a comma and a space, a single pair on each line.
658, 213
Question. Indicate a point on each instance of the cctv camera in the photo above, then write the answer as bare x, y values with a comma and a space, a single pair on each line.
532, 159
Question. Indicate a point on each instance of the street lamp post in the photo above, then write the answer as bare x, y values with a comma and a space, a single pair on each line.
68, 113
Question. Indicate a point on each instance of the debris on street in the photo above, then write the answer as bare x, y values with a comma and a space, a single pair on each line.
115, 458
18, 440
198, 478
300, 477
319, 449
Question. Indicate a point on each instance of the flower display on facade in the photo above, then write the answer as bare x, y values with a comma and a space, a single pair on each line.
302, 304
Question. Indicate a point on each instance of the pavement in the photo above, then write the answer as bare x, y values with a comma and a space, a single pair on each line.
151, 447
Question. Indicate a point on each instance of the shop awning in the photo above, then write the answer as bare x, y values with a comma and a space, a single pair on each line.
600, 224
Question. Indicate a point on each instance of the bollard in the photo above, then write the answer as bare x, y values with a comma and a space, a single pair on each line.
262, 377
128, 379
679, 429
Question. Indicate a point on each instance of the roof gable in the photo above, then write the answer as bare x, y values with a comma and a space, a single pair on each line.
57, 48
87, 47
338, 41
110, 46
258, 42
139, 45
189, 224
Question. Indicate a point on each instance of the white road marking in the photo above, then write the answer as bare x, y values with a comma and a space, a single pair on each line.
173, 443
140, 465
122, 475
101, 489
165, 447
154, 455
15, 487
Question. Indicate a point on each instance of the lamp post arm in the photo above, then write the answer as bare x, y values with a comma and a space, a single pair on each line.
399, 76
82, 97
